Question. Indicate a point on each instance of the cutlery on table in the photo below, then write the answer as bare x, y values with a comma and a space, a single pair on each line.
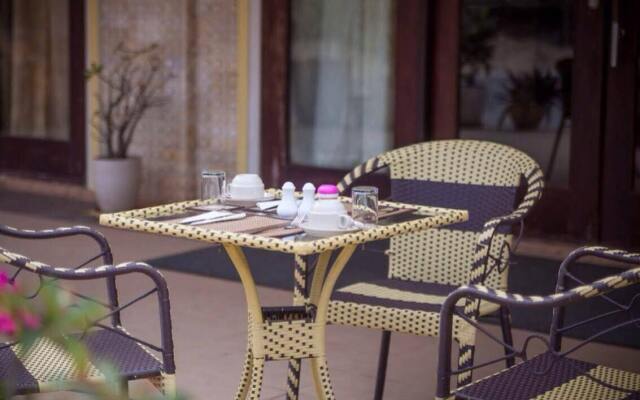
204, 216
295, 223
223, 218
267, 205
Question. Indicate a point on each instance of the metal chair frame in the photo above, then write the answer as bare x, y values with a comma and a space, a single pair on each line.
164, 379
558, 301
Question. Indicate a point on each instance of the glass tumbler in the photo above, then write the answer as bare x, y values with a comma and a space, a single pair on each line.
364, 205
212, 185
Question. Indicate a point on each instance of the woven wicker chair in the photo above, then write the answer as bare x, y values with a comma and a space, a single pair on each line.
551, 374
46, 368
497, 184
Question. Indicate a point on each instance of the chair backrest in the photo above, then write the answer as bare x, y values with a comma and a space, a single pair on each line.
481, 177
601, 313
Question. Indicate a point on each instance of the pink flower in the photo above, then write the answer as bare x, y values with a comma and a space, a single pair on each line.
7, 325
6, 283
30, 320
4, 279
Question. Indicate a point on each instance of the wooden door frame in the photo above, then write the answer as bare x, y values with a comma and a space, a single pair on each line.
620, 202
574, 211
410, 83
57, 159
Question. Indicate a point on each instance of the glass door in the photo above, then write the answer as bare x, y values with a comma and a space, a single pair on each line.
620, 190
341, 82
529, 74
42, 87
516, 67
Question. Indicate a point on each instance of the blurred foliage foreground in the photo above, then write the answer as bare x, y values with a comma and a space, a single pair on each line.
26, 316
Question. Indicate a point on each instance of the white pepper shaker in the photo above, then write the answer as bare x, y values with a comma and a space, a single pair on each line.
288, 208
308, 198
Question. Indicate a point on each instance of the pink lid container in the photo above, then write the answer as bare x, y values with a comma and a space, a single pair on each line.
328, 190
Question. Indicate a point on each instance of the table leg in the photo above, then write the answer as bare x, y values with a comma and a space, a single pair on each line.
321, 378
256, 378
253, 367
318, 277
303, 296
266, 338
245, 381
300, 297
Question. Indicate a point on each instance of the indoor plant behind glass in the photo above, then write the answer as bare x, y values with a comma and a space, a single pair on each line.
129, 87
528, 97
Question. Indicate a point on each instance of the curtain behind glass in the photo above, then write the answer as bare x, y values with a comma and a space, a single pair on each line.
341, 81
35, 69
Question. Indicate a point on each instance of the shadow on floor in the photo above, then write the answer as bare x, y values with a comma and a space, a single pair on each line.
528, 276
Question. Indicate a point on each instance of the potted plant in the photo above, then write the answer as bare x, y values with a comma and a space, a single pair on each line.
528, 97
129, 87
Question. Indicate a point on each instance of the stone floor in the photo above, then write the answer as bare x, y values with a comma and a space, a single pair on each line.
209, 328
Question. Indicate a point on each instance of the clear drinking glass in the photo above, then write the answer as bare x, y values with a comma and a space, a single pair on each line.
364, 204
212, 185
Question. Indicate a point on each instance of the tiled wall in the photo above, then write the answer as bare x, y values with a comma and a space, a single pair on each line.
197, 129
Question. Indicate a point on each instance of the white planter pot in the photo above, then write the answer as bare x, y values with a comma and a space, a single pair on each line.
116, 182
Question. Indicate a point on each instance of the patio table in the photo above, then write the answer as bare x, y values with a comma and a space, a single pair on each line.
291, 332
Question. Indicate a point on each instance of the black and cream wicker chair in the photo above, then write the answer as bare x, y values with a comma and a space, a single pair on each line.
497, 184
552, 374
44, 367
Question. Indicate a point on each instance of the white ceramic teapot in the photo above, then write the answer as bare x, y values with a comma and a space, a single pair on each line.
328, 212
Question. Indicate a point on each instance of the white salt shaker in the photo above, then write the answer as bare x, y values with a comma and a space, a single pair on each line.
308, 198
288, 208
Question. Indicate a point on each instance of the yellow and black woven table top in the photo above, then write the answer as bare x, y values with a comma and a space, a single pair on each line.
146, 220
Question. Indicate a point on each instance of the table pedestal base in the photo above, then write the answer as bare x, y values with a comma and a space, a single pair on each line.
286, 333
289, 333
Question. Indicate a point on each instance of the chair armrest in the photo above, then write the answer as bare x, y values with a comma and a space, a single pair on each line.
54, 233
606, 253
535, 184
583, 292
108, 271
561, 297
84, 273
371, 165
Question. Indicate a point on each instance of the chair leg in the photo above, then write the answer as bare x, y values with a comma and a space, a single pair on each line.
245, 380
124, 388
166, 384
465, 360
505, 324
293, 379
382, 365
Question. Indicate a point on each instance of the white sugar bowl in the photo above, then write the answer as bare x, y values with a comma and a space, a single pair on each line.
246, 187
